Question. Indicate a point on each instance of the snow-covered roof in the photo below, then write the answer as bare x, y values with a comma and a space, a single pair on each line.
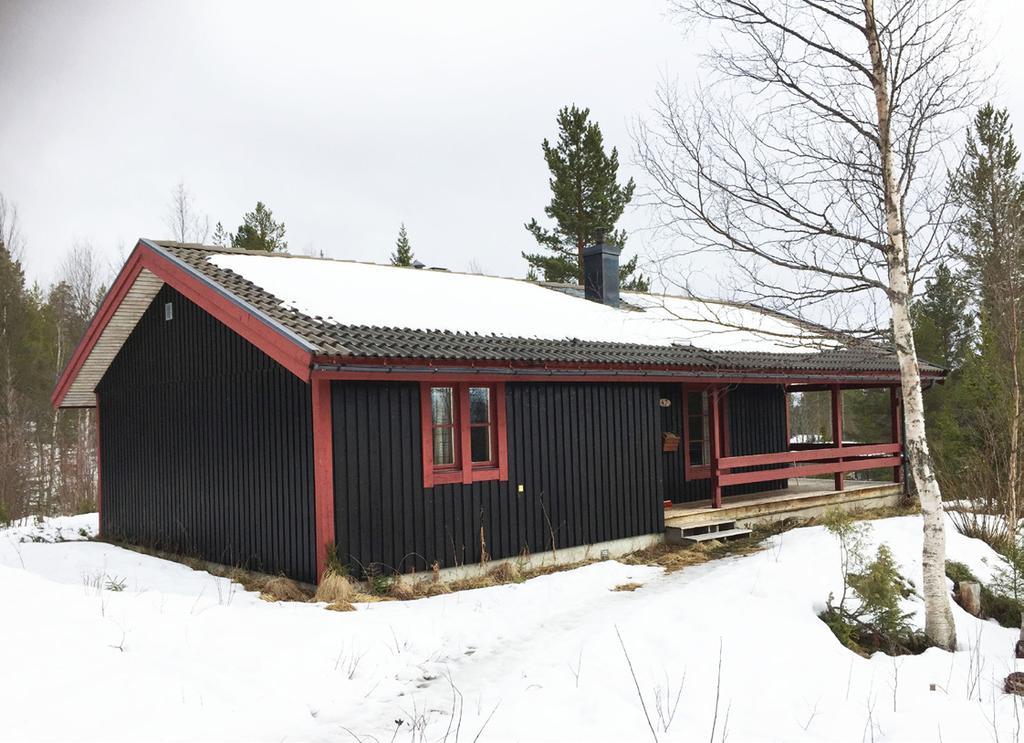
371, 295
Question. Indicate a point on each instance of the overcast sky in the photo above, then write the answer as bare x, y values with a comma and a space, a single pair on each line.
345, 119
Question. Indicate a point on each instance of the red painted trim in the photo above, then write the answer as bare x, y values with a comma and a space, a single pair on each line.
323, 473
895, 408
430, 367
466, 472
715, 434
99, 475
762, 460
837, 430
807, 470
702, 472
426, 435
441, 376
499, 403
110, 303
279, 347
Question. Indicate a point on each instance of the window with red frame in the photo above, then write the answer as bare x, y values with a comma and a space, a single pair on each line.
464, 436
697, 433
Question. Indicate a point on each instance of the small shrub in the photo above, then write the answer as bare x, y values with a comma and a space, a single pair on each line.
334, 564
378, 580
874, 621
116, 584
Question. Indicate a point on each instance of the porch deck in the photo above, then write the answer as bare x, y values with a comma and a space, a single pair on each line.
805, 497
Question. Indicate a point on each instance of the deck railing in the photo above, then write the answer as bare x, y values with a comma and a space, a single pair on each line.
808, 463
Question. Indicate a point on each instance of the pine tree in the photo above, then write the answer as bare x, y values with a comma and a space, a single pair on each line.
221, 237
259, 231
403, 251
585, 197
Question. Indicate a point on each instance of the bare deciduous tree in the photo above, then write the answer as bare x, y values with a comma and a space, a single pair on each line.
184, 222
819, 168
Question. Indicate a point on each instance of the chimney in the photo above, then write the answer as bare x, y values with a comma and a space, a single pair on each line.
601, 271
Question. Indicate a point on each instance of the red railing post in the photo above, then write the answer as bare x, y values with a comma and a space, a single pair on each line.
837, 429
897, 429
714, 433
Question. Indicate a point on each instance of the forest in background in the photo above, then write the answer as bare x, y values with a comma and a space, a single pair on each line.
968, 318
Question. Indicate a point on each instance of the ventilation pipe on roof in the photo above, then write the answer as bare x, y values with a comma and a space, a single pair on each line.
601, 271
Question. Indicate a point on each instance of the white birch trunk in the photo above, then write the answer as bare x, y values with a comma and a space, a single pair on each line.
939, 626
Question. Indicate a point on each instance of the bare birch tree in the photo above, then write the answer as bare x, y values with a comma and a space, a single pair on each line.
819, 167
184, 222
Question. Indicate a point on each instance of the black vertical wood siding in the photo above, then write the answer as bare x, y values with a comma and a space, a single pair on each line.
587, 456
206, 445
757, 425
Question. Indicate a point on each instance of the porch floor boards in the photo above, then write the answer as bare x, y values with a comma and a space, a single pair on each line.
803, 495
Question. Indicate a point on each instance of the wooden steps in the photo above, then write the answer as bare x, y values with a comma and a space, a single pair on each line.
709, 531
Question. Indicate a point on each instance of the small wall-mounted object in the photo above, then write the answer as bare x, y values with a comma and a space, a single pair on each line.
669, 441
520, 489
604, 554
665, 402
168, 311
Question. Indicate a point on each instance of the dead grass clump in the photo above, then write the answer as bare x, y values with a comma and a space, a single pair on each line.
672, 557
340, 606
627, 586
506, 572
402, 589
282, 589
334, 587
485, 580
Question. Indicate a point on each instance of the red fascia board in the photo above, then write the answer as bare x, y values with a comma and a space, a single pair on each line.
397, 374
111, 302
280, 348
409, 369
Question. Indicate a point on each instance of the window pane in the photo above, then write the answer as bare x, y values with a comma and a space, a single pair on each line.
479, 404
697, 403
697, 428
480, 443
706, 452
441, 405
697, 453
444, 449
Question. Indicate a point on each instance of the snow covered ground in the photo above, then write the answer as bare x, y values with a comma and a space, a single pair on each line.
182, 655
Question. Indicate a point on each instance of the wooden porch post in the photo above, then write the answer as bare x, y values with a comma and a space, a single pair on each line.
837, 429
323, 473
715, 434
897, 429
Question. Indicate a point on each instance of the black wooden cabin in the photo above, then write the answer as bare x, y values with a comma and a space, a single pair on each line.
236, 426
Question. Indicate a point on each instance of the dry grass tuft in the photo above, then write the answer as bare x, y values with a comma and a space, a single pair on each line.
282, 589
402, 589
340, 606
627, 586
335, 587
506, 572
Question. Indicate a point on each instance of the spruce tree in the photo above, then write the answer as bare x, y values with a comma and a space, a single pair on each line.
259, 231
585, 196
990, 191
403, 251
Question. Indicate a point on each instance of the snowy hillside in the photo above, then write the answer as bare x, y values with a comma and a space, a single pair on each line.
182, 655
